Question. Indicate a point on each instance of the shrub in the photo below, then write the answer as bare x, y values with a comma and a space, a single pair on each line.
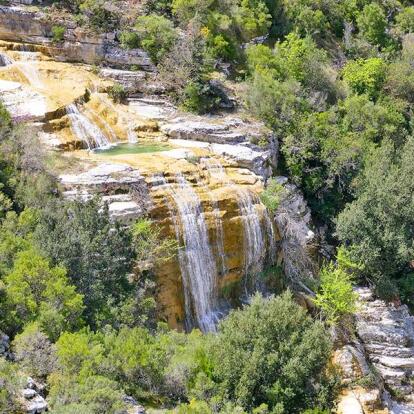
372, 23
12, 382
199, 98
279, 362
129, 40
271, 196
405, 20
35, 289
156, 35
365, 76
34, 352
117, 93
336, 297
58, 33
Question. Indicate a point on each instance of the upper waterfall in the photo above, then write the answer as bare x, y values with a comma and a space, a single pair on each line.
85, 130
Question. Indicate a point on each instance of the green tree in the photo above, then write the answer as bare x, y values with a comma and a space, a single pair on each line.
34, 352
372, 24
36, 290
379, 223
365, 76
97, 253
405, 20
11, 384
336, 297
156, 35
279, 362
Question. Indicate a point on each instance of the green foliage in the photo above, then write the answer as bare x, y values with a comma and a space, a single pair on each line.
199, 98
151, 248
280, 360
405, 20
365, 76
117, 93
11, 384
97, 254
100, 17
336, 297
58, 33
271, 196
129, 40
34, 352
372, 23
35, 290
156, 35
377, 223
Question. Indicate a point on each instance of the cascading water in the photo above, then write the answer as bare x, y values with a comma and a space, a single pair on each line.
196, 259
85, 130
28, 65
254, 242
105, 124
5, 60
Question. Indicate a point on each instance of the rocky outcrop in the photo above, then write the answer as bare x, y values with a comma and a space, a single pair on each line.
387, 334
32, 400
378, 363
21, 25
4, 346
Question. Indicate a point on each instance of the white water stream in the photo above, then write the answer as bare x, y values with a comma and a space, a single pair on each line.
85, 130
28, 65
196, 259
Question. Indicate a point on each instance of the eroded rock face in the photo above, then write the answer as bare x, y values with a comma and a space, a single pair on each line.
202, 189
377, 364
18, 24
387, 334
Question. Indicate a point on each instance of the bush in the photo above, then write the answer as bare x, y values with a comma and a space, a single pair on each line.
34, 352
271, 196
12, 382
365, 76
279, 362
117, 93
372, 24
336, 297
156, 35
199, 98
100, 18
129, 40
58, 33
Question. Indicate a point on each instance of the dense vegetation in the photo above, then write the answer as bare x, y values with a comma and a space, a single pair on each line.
334, 81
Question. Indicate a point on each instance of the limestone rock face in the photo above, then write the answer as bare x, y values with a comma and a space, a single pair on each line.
382, 353
387, 334
18, 24
198, 177
32, 400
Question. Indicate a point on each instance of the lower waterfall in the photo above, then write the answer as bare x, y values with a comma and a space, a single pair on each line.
196, 259
85, 130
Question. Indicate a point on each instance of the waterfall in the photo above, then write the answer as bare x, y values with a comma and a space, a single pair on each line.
248, 202
5, 60
105, 124
132, 136
28, 66
85, 130
254, 243
196, 259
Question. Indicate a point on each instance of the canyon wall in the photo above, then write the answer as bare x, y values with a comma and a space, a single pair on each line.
198, 178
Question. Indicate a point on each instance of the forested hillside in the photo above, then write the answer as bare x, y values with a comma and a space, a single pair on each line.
333, 84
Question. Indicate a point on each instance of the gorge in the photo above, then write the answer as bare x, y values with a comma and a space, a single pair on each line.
202, 188
114, 134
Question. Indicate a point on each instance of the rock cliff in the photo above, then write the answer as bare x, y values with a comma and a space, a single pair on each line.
199, 178
378, 363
